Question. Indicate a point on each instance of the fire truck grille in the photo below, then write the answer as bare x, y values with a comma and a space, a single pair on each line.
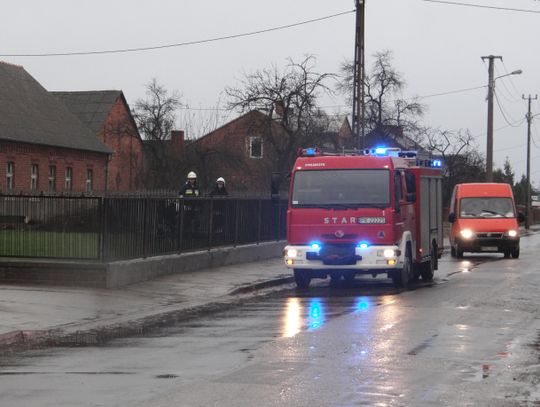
331, 236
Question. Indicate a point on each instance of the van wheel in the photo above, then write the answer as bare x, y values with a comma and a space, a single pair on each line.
515, 254
302, 278
459, 252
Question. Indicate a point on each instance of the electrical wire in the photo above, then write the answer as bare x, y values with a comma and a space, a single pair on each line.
510, 98
503, 112
518, 93
181, 44
455, 3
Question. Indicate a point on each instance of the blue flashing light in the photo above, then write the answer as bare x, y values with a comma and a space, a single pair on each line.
436, 163
310, 151
315, 246
380, 150
363, 245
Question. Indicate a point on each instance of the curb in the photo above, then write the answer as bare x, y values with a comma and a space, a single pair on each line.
17, 341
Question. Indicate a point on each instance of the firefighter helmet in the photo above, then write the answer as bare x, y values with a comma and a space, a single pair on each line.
192, 175
221, 179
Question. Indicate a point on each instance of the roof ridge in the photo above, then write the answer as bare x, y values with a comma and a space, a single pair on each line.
11, 64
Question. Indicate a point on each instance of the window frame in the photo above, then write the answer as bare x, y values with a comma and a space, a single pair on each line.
34, 177
251, 140
10, 175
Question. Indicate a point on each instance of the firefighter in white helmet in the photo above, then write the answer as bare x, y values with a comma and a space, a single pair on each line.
219, 188
190, 189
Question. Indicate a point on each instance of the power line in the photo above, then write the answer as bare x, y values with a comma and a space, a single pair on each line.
181, 44
518, 93
503, 112
454, 3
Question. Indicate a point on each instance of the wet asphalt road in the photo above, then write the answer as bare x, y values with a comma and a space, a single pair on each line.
470, 338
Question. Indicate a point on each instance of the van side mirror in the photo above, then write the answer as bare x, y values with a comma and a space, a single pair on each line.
521, 217
452, 217
275, 182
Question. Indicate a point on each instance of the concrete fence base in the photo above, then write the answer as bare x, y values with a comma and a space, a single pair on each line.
121, 273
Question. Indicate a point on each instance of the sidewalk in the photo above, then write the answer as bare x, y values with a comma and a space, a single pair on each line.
33, 316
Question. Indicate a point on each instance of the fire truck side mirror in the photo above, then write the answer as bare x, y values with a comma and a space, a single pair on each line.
411, 197
452, 217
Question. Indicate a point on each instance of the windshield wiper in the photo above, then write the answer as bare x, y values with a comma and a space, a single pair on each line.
494, 212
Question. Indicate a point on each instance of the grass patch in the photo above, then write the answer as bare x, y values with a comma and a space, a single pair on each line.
35, 243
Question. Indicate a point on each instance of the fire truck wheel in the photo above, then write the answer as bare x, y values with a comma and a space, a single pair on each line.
515, 254
302, 278
402, 277
428, 268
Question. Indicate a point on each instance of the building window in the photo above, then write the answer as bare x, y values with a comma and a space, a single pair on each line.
10, 170
68, 186
34, 173
89, 180
255, 147
52, 178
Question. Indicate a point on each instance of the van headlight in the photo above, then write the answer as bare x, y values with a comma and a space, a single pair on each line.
512, 233
466, 233
389, 253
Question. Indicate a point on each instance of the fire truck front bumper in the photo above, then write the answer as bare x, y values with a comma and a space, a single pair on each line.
329, 256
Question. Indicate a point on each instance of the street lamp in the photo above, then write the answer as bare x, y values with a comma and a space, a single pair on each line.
491, 91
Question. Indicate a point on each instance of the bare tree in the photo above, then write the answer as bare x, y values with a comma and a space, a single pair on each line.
459, 152
384, 103
155, 117
289, 99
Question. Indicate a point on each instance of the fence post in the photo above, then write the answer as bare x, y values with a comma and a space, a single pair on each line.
210, 222
180, 222
145, 205
259, 221
103, 228
236, 221
278, 219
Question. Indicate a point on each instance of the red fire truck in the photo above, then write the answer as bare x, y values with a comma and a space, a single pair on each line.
377, 211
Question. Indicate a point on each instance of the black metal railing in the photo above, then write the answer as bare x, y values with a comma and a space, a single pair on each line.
115, 228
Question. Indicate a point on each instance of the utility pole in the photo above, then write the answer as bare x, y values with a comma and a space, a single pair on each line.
528, 195
491, 90
358, 77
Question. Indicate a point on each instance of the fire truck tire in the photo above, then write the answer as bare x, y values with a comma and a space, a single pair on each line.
402, 277
428, 269
302, 278
515, 254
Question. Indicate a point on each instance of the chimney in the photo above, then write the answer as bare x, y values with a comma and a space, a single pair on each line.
177, 140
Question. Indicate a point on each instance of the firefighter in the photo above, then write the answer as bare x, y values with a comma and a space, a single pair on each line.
190, 188
191, 208
219, 188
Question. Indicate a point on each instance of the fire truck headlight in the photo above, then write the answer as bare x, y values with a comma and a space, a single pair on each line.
512, 233
466, 233
389, 253
292, 253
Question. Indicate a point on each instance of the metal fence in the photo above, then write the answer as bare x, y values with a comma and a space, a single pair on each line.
115, 228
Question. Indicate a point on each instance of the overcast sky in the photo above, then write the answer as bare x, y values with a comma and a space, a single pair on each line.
437, 48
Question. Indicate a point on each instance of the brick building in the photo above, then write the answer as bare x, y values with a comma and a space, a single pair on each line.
43, 146
107, 114
237, 151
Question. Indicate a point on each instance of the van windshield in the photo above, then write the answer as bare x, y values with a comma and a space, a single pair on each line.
492, 207
351, 188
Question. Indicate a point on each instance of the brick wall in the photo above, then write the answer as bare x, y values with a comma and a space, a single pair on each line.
229, 156
120, 134
25, 155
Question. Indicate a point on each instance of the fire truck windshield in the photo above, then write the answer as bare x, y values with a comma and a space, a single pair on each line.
341, 188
